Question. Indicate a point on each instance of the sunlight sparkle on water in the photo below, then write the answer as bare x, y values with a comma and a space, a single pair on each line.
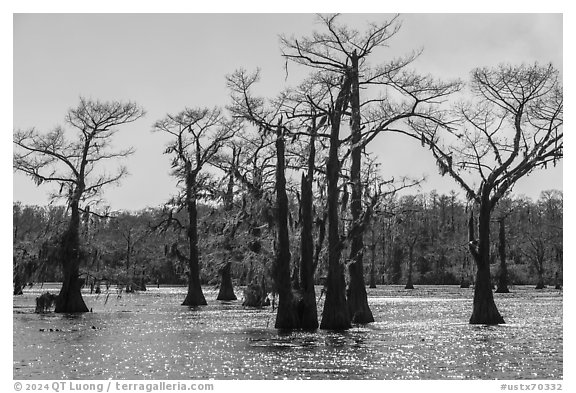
420, 334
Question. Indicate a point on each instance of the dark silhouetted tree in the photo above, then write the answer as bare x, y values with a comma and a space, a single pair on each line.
197, 135
75, 163
345, 52
512, 127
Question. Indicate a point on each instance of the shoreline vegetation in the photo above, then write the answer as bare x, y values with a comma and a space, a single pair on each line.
405, 247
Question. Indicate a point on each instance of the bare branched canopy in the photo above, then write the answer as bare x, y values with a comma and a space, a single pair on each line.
332, 50
513, 126
197, 136
74, 159
392, 91
197, 133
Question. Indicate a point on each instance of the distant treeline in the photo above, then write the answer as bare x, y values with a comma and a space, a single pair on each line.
422, 235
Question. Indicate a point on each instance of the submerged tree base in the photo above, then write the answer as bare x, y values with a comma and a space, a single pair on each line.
72, 307
359, 311
306, 310
287, 317
487, 318
193, 303
194, 298
335, 321
357, 298
255, 295
226, 294
226, 291
70, 300
335, 315
485, 311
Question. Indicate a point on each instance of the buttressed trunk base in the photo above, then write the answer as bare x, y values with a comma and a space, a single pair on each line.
358, 308
485, 311
70, 299
226, 288
195, 296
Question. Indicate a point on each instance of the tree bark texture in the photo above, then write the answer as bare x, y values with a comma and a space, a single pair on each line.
195, 296
308, 312
335, 314
484, 309
286, 316
70, 297
357, 297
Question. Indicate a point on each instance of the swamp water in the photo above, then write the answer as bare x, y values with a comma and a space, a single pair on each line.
418, 334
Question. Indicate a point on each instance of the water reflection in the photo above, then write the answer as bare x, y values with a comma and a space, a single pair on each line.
149, 335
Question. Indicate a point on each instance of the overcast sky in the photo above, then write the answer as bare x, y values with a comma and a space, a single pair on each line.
166, 62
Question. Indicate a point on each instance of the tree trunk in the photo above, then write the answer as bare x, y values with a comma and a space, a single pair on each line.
357, 298
557, 281
540, 284
373, 261
286, 316
484, 310
396, 261
195, 296
18, 282
321, 223
409, 284
129, 287
70, 297
229, 196
558, 260
308, 312
226, 288
464, 281
503, 277
383, 247
335, 313
540, 254
142, 285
